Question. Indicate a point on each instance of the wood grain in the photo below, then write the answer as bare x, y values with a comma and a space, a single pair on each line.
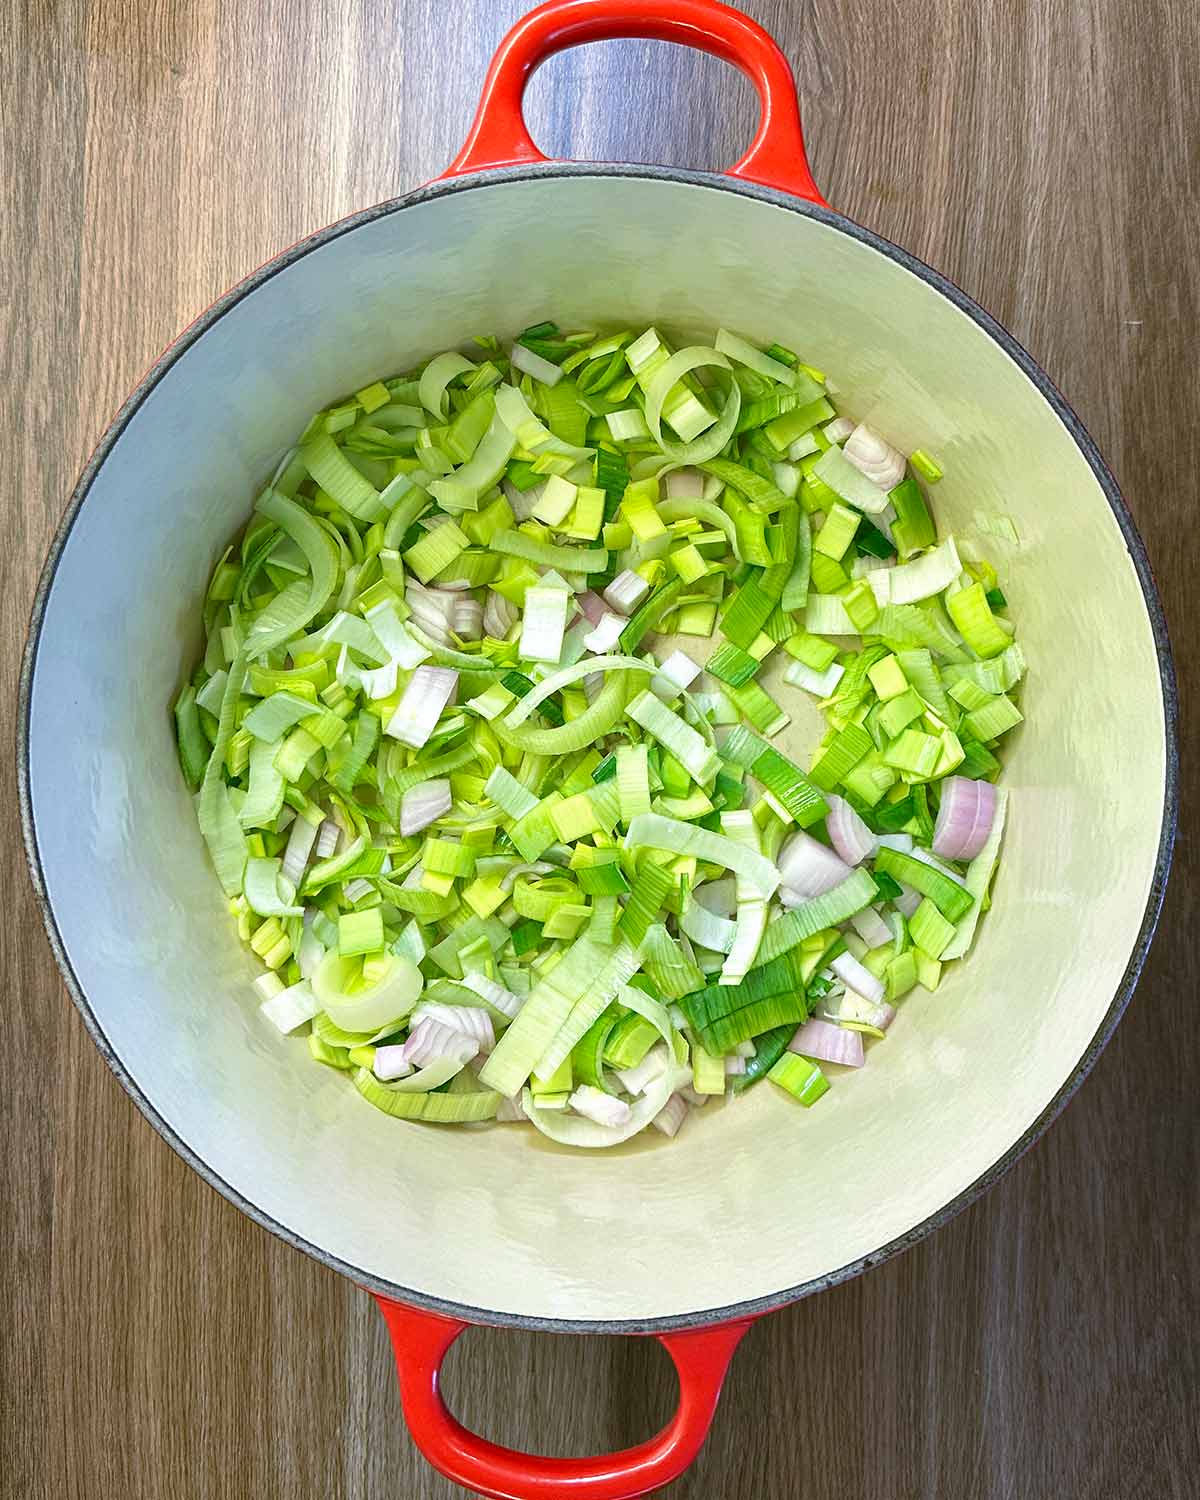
1044, 154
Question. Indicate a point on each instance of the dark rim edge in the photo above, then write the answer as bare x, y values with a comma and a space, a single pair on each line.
1137, 551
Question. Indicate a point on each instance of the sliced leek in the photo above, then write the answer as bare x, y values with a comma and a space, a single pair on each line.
499, 848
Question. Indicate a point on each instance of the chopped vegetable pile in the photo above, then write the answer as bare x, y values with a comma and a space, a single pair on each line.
506, 851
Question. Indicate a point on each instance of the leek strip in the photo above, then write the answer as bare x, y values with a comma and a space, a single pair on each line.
572, 1130
754, 359
979, 875
603, 986
689, 748
837, 905
272, 628
567, 675
266, 890
710, 442
548, 1007
436, 378
465, 487
218, 822
598, 720
568, 559
435, 1109
650, 830
337, 476
701, 510
751, 920
514, 411
762, 494
835, 469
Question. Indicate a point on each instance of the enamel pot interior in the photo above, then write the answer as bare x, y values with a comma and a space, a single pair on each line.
753, 1202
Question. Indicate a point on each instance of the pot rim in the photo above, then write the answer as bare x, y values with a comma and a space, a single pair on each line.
938, 283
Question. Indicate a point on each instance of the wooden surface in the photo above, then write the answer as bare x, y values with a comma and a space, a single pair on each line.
153, 1342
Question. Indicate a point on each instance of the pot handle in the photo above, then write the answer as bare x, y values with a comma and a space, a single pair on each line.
498, 137
421, 1340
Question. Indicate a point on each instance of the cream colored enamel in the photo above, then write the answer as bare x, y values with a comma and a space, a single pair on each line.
750, 1199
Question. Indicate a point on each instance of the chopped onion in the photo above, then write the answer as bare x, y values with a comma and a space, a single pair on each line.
392, 1062
471, 1020
855, 977
871, 455
829, 1043
591, 605
466, 618
424, 804
871, 927
964, 819
431, 1038
807, 869
850, 836
499, 617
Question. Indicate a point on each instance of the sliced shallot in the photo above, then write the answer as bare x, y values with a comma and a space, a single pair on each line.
858, 978
849, 835
829, 1043
471, 1020
432, 1038
499, 615
808, 869
876, 458
964, 818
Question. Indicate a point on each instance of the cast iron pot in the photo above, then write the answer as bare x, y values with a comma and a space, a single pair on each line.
752, 1206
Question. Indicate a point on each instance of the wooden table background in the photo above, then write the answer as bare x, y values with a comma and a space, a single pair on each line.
153, 1342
